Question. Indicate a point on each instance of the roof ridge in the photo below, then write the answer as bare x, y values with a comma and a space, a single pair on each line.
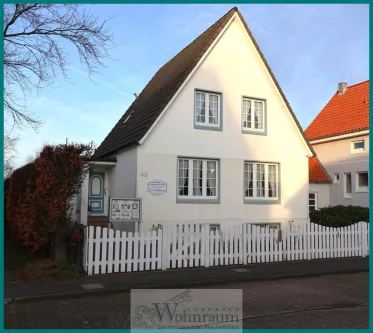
356, 84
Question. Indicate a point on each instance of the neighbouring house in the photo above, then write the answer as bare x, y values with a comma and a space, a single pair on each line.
340, 137
215, 131
319, 190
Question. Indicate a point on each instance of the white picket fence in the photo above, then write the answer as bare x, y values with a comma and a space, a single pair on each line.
184, 245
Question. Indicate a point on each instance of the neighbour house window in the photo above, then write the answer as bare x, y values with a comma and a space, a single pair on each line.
253, 115
357, 147
347, 185
275, 226
198, 178
336, 178
207, 110
362, 182
261, 181
214, 227
312, 201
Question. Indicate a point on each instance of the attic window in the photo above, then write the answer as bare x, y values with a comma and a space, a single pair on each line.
207, 110
126, 120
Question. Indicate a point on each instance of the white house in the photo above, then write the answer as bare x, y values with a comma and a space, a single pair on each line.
214, 128
340, 137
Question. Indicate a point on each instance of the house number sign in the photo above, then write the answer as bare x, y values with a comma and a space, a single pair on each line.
157, 187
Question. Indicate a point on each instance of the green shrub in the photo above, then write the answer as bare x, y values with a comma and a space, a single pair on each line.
339, 216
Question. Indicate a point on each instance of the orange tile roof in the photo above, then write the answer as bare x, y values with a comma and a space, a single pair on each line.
345, 113
316, 172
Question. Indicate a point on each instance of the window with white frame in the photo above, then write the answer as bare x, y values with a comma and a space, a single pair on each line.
347, 185
207, 109
336, 178
275, 226
261, 181
362, 181
197, 178
357, 146
253, 115
312, 201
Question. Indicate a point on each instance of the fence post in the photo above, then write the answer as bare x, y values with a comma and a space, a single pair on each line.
165, 246
362, 239
85, 251
207, 241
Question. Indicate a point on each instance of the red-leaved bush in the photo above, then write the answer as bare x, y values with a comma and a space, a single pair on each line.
41, 207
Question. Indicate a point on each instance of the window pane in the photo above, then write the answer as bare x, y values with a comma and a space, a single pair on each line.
363, 179
183, 177
246, 113
260, 180
258, 115
348, 183
272, 185
197, 178
211, 179
213, 109
359, 144
200, 108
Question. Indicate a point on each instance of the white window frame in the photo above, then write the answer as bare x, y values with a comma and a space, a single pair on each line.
316, 201
204, 179
270, 225
252, 128
335, 180
357, 150
207, 108
345, 194
361, 188
266, 187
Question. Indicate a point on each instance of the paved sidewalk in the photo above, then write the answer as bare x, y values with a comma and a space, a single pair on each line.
120, 282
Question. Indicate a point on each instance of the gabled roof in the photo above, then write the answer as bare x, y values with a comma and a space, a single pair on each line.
150, 103
344, 113
316, 171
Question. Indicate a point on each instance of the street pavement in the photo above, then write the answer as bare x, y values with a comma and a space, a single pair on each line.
329, 301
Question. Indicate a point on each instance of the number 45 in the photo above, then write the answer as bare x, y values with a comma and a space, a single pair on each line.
144, 174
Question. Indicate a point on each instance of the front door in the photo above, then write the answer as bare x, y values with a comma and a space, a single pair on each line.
96, 192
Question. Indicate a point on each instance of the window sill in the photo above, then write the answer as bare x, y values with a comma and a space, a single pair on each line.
347, 197
208, 127
261, 201
197, 201
362, 190
248, 131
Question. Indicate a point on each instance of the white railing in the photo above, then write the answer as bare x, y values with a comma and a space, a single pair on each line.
184, 245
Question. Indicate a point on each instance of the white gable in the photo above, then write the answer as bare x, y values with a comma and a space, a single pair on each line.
234, 68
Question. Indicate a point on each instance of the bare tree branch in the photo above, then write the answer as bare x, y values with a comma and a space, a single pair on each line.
34, 55
10, 143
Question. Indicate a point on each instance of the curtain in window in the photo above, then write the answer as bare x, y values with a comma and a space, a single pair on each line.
183, 177
258, 112
200, 108
246, 114
260, 185
249, 186
197, 178
211, 179
272, 190
213, 109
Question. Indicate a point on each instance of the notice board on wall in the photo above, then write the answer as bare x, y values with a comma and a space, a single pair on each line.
125, 210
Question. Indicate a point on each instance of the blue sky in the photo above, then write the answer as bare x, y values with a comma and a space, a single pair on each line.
310, 49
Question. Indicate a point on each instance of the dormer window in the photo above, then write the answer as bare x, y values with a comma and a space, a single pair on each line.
207, 110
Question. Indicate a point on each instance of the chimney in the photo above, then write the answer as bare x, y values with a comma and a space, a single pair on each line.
342, 88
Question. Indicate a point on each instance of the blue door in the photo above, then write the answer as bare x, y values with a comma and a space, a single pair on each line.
96, 192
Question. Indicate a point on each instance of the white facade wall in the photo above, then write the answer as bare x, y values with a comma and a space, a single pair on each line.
235, 69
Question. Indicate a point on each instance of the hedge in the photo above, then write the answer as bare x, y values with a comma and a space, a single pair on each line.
339, 216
